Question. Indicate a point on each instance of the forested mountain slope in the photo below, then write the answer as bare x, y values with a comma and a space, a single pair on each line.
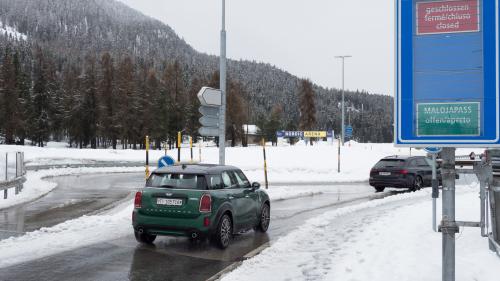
70, 32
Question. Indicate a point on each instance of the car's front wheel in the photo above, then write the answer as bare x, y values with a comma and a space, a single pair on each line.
224, 232
265, 219
144, 237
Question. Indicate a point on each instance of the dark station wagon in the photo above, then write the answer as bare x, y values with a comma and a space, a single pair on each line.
412, 172
199, 201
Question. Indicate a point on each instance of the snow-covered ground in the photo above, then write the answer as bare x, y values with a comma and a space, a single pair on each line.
287, 164
388, 239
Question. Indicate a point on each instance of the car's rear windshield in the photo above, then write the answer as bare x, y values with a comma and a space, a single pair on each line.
180, 181
388, 163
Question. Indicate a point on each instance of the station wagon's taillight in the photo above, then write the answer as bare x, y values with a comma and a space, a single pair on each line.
138, 200
206, 203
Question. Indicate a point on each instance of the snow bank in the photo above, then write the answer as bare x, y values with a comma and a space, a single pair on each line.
36, 187
391, 241
67, 236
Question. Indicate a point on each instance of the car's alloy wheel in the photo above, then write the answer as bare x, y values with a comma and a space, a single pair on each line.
265, 218
417, 183
224, 232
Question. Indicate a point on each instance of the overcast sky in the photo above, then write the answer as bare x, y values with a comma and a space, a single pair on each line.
299, 36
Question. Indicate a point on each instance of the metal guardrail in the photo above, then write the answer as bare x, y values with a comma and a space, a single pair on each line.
17, 184
14, 173
101, 164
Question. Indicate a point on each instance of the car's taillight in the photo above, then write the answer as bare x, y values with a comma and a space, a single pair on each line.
138, 200
403, 172
373, 171
206, 203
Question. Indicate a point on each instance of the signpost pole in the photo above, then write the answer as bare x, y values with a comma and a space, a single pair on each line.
435, 192
448, 225
222, 120
343, 96
338, 154
147, 157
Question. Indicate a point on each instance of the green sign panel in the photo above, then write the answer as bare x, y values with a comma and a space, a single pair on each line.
448, 119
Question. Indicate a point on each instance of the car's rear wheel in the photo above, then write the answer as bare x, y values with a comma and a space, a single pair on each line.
144, 237
224, 232
265, 218
418, 183
380, 188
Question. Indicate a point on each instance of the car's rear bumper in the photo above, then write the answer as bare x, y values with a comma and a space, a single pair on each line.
171, 226
396, 183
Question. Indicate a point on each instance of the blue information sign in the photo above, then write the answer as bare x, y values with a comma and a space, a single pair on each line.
165, 161
348, 131
447, 73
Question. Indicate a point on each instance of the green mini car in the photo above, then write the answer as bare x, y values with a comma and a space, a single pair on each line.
199, 201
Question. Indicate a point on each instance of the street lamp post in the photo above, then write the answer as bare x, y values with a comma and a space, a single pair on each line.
343, 95
222, 117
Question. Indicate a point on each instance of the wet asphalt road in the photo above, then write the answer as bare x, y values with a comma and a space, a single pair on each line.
73, 197
170, 258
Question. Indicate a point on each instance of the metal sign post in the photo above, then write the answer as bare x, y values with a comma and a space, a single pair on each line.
447, 88
222, 122
448, 224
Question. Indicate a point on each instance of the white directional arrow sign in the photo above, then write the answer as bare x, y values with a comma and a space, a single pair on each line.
210, 100
209, 111
209, 121
209, 96
208, 131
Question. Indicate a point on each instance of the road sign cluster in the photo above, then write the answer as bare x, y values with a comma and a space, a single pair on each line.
210, 100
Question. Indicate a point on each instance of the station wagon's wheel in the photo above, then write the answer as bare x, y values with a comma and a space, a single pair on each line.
144, 237
418, 183
379, 188
224, 232
265, 218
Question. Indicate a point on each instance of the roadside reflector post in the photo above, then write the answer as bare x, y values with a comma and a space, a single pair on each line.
6, 166
147, 157
199, 150
191, 147
179, 136
448, 224
265, 162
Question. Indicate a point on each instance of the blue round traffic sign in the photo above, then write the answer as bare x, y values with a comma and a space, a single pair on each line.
433, 150
166, 161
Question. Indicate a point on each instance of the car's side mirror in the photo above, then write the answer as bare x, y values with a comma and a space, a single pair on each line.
255, 185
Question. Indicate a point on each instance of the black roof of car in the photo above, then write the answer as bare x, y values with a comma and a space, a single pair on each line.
199, 169
401, 157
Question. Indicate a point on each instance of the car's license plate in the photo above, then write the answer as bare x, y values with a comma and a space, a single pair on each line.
169, 202
385, 173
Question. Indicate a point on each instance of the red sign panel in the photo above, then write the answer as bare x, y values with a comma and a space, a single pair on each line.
450, 16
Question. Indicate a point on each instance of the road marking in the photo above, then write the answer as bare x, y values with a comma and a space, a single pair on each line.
234, 265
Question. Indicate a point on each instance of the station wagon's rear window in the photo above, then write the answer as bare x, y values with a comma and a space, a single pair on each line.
180, 181
388, 163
